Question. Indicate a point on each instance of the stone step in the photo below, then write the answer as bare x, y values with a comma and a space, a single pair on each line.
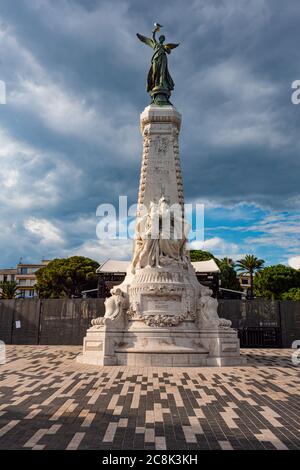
162, 359
162, 350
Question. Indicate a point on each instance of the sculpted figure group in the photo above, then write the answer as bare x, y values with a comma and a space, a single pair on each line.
160, 236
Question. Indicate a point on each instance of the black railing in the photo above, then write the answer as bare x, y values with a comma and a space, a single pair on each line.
260, 323
260, 337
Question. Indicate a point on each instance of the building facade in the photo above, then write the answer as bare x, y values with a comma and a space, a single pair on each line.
244, 280
24, 276
7, 275
26, 279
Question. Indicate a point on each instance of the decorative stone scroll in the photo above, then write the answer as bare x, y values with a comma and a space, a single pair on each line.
115, 308
208, 311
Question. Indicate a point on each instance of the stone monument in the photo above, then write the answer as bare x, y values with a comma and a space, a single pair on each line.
161, 315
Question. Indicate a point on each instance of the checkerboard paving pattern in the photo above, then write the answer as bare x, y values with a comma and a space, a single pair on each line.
48, 401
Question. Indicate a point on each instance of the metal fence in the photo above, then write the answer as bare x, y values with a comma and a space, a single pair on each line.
260, 323
53, 321
263, 323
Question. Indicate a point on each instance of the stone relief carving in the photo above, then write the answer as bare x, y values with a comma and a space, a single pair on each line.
161, 144
207, 311
155, 297
115, 307
160, 236
156, 320
159, 320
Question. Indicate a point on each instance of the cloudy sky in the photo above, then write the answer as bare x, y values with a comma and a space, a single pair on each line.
69, 132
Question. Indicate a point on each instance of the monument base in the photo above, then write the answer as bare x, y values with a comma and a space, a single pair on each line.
181, 346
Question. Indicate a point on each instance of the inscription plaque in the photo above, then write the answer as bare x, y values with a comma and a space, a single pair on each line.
162, 304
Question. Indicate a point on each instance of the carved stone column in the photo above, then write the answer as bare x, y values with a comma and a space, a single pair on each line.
160, 171
160, 315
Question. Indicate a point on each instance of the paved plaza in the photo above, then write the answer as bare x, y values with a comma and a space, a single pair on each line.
48, 401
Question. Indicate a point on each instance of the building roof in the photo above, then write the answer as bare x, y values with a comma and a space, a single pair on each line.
8, 271
209, 266
30, 265
115, 266
234, 291
43, 263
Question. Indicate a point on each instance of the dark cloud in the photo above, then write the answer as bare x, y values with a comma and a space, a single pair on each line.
75, 75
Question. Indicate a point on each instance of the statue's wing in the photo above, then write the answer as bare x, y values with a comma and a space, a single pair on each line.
171, 45
146, 40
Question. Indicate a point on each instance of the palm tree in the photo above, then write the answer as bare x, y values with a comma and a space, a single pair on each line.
249, 265
228, 261
8, 290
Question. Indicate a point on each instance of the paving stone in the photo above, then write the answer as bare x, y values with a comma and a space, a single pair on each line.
48, 401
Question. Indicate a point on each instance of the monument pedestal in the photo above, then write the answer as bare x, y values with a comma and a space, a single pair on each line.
160, 347
160, 315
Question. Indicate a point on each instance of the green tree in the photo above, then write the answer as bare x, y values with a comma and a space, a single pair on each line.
227, 273
66, 277
200, 255
249, 265
291, 294
273, 281
8, 290
227, 261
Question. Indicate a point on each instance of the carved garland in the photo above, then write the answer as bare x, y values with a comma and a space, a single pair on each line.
157, 320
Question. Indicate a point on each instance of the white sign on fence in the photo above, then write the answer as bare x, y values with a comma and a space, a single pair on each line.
2, 352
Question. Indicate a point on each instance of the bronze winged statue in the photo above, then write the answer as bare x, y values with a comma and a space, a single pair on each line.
159, 82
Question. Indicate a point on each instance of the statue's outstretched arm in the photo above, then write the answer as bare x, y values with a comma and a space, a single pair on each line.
148, 41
